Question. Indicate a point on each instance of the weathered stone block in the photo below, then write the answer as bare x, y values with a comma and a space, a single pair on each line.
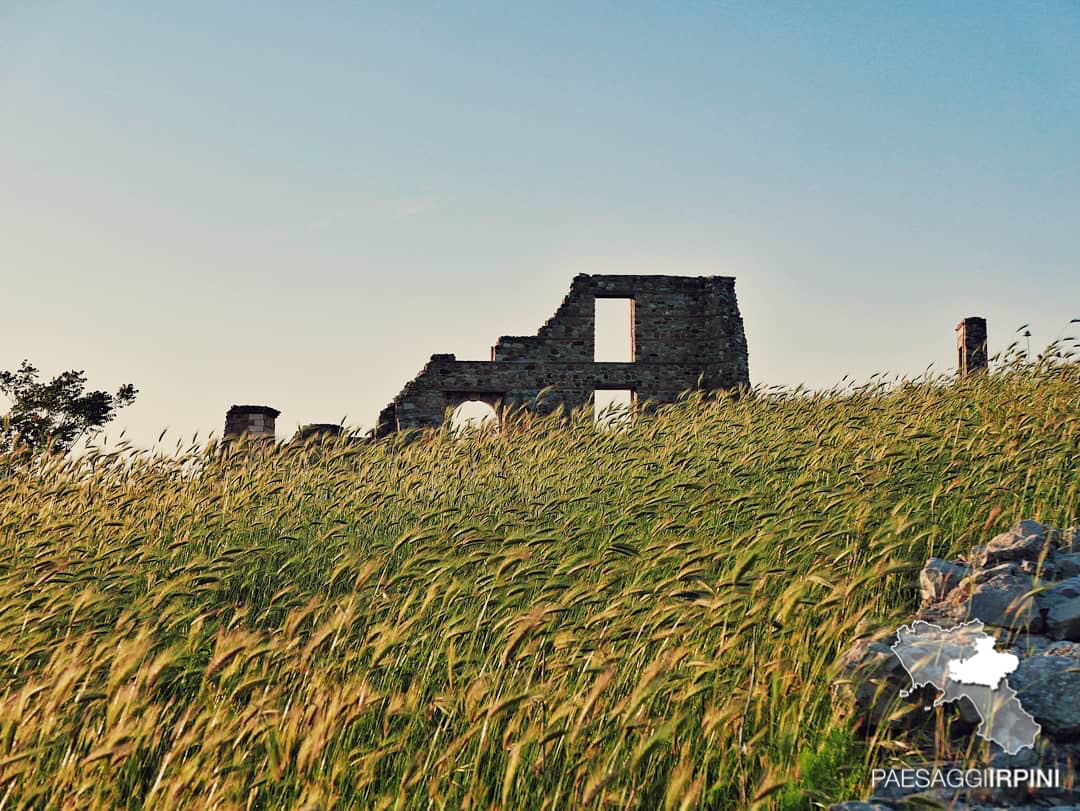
1004, 601
938, 577
1025, 540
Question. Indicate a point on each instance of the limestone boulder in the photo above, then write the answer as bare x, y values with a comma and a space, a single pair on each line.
938, 577
1061, 604
1069, 542
1025, 540
1045, 755
985, 573
1067, 564
870, 679
1048, 686
1019, 644
1063, 621
1004, 600
1024, 585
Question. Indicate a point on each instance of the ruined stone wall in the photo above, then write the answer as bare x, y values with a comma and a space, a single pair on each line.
252, 420
687, 331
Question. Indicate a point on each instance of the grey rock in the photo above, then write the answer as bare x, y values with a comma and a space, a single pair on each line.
1069, 542
1048, 685
869, 686
1045, 755
1061, 605
943, 798
945, 613
1063, 648
985, 573
1067, 564
938, 577
1003, 601
1042, 570
968, 713
1062, 590
900, 796
1020, 644
994, 586
1025, 540
858, 805
1002, 718
1063, 620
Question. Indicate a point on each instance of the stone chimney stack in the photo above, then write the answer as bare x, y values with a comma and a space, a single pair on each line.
252, 420
971, 345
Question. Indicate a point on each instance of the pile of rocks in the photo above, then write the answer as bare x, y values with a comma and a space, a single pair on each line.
1025, 587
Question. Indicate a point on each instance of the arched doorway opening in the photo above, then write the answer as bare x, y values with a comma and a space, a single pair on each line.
474, 415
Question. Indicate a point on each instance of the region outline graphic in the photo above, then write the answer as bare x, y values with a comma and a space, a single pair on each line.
961, 662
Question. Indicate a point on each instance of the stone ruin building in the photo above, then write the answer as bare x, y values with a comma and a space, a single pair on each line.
260, 422
686, 333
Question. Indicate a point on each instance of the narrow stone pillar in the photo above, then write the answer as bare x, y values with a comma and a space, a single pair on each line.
971, 345
252, 420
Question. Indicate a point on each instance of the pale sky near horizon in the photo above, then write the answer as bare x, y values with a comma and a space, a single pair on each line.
297, 204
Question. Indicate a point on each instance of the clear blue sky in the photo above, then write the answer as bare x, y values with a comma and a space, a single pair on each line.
297, 203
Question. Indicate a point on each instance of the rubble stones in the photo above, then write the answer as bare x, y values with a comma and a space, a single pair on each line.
1025, 586
1005, 601
1063, 621
1020, 644
939, 577
985, 573
1070, 540
1024, 541
871, 681
1048, 686
1062, 606
1067, 564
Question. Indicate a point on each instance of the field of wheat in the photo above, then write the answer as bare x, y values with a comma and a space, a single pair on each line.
550, 617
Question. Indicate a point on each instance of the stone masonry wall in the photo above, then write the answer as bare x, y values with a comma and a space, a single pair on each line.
687, 333
252, 420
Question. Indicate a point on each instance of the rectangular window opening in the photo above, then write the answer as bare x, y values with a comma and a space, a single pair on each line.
613, 408
614, 338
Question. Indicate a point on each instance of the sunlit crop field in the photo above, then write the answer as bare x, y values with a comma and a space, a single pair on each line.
551, 617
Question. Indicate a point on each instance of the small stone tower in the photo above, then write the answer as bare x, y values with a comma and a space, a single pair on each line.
971, 345
252, 420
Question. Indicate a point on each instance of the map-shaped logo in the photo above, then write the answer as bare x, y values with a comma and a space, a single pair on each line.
961, 663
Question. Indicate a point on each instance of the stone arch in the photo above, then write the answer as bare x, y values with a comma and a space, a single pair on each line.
474, 408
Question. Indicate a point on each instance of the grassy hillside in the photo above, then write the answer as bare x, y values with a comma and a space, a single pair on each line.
549, 618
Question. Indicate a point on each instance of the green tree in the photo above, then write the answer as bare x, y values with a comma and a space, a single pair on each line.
53, 416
